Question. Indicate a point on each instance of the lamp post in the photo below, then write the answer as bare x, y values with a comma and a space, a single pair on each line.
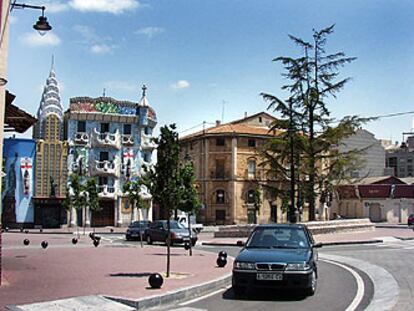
42, 25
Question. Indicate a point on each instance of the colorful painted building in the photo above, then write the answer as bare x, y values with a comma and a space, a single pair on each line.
51, 158
109, 140
18, 184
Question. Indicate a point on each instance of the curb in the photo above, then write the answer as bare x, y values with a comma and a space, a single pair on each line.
323, 244
174, 296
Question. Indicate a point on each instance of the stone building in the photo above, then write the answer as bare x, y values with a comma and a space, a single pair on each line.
226, 163
109, 140
51, 158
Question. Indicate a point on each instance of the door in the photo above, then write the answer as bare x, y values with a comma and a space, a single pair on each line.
104, 217
375, 212
220, 217
251, 216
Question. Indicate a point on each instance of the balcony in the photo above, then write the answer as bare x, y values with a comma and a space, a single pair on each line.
221, 175
105, 168
106, 192
108, 140
127, 140
81, 138
146, 143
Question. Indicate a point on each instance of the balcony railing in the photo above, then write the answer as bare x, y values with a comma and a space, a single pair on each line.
127, 140
147, 143
81, 138
105, 191
258, 174
105, 168
111, 140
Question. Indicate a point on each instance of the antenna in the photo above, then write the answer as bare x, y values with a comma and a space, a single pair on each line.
104, 92
53, 63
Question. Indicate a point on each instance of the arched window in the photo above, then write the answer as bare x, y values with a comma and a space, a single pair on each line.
250, 196
251, 169
220, 196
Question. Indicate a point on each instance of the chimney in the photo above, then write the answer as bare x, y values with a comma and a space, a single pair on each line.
245, 114
218, 122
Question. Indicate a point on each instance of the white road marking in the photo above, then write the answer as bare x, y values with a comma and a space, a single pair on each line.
204, 297
360, 285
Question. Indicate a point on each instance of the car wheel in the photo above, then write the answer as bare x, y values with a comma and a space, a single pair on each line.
310, 291
149, 240
238, 291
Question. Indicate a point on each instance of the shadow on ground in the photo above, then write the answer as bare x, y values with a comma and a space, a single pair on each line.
265, 295
131, 275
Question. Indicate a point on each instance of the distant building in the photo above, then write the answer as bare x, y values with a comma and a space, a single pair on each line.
18, 160
51, 158
226, 162
109, 140
373, 153
399, 159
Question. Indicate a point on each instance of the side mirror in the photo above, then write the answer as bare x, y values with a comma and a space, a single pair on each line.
317, 245
240, 243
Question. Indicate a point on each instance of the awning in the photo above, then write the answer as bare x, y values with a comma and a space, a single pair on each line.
16, 119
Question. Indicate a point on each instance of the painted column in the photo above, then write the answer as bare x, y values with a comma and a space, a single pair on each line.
233, 185
118, 212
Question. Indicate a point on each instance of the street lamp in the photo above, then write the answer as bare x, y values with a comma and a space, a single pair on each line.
42, 25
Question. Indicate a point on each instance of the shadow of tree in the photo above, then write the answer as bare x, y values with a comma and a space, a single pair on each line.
131, 275
265, 295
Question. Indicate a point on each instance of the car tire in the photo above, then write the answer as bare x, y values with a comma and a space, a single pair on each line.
238, 291
310, 291
149, 240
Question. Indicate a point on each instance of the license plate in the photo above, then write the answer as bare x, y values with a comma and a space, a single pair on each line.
269, 276
135, 234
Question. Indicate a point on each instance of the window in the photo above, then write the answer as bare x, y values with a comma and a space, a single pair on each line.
251, 169
104, 127
127, 129
260, 119
251, 142
220, 198
220, 141
147, 131
82, 126
103, 156
250, 196
219, 169
102, 181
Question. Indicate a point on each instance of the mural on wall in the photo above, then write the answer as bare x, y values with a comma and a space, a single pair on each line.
104, 107
26, 170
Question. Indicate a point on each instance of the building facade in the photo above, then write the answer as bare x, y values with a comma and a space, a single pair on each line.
18, 183
226, 163
109, 140
400, 160
51, 158
373, 153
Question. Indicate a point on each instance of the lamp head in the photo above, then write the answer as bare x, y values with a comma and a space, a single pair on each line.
42, 25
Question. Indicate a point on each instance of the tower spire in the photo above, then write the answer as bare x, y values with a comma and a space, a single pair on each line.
52, 67
144, 90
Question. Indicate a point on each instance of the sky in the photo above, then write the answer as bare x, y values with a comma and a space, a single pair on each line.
210, 60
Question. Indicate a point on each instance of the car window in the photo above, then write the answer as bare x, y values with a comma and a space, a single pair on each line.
176, 225
278, 237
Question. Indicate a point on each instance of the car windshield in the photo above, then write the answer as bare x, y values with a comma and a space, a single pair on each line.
176, 225
278, 238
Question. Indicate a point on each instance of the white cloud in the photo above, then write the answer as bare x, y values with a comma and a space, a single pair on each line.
34, 39
180, 84
106, 6
101, 48
125, 86
150, 31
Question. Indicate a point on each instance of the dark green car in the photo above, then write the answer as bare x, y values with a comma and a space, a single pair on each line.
277, 256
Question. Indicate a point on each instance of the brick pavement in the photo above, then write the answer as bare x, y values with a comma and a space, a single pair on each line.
64, 270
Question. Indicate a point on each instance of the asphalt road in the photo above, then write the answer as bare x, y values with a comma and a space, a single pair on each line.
336, 290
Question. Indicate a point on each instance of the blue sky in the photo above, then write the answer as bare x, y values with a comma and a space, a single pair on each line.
196, 55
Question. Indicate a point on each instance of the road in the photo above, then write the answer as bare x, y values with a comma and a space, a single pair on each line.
337, 287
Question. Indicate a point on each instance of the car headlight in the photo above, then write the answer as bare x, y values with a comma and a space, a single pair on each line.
244, 265
302, 266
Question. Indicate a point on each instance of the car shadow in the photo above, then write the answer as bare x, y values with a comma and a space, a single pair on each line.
265, 295
131, 275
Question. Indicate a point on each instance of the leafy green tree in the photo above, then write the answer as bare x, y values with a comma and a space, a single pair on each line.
306, 131
163, 180
189, 200
74, 194
133, 190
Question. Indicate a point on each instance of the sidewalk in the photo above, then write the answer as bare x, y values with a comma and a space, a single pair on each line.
63, 270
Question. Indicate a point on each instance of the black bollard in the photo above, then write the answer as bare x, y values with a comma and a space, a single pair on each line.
155, 280
96, 243
26, 231
222, 254
112, 230
186, 246
91, 235
44, 244
26, 242
221, 261
74, 241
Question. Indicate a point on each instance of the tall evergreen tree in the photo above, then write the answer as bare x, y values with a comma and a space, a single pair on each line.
163, 180
306, 132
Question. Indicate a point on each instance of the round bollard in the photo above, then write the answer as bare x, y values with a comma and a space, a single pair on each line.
112, 230
74, 241
26, 231
155, 280
26, 242
96, 243
44, 244
40, 230
222, 254
21, 229
186, 246
221, 261
97, 237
